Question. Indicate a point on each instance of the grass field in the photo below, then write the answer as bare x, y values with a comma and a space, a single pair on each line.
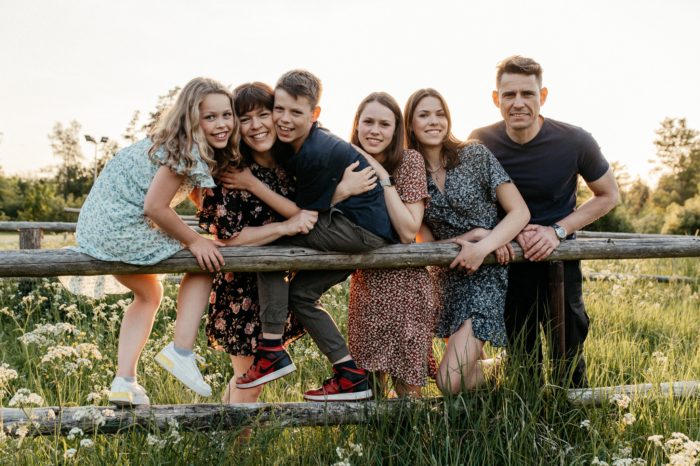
641, 332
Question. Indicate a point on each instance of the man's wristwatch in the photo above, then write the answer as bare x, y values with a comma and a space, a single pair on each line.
388, 181
560, 232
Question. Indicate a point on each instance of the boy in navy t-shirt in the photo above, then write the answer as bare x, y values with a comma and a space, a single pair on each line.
544, 158
356, 224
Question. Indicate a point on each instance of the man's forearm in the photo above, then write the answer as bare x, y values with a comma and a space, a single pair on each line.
589, 212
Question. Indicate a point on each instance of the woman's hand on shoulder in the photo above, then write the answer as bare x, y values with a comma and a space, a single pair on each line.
354, 183
381, 171
301, 222
238, 178
207, 253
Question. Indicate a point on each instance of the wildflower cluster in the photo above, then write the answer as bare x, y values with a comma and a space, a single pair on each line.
93, 415
6, 374
47, 334
680, 450
171, 436
345, 454
623, 457
25, 397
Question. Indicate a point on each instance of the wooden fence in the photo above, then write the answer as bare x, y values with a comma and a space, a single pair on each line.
34, 262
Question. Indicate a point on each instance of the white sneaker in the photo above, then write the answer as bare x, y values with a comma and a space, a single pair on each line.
127, 393
184, 368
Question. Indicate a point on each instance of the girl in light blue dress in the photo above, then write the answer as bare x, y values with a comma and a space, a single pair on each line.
129, 217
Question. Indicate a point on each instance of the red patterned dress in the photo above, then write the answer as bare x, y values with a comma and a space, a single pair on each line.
391, 313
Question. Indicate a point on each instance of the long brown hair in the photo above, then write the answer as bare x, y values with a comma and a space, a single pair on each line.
248, 97
451, 145
178, 130
394, 151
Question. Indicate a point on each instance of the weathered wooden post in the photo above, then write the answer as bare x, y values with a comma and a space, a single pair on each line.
556, 317
30, 238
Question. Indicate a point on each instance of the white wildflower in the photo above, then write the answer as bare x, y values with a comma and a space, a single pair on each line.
6, 374
585, 424
339, 451
629, 419
70, 453
91, 414
59, 352
75, 432
656, 439
86, 443
622, 401
155, 441
88, 350
25, 397
44, 335
94, 397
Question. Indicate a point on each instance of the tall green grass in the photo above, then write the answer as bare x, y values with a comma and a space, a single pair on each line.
519, 422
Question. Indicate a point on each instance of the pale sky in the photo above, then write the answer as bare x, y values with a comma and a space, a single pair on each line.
615, 68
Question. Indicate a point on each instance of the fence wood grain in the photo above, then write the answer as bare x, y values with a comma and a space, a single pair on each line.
47, 263
55, 420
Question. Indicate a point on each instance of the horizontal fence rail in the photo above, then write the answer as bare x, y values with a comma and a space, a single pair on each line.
53, 262
56, 420
66, 226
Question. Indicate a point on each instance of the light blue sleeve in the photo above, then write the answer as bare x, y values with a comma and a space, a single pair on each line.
198, 176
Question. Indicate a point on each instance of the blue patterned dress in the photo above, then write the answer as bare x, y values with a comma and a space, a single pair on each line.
469, 202
113, 226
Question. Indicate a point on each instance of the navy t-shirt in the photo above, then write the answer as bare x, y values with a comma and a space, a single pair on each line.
318, 168
545, 170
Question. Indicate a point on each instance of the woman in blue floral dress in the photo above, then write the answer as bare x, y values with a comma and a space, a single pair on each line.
128, 217
465, 182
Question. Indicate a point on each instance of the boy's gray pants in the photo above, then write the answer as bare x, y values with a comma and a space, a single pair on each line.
332, 232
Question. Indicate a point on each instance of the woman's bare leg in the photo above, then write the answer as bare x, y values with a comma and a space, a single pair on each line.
233, 395
192, 300
138, 320
241, 364
405, 390
460, 369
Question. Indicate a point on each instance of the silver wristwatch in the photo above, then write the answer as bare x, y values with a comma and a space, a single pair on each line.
388, 181
560, 232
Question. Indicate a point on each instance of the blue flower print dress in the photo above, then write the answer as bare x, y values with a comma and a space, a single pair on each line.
113, 226
469, 201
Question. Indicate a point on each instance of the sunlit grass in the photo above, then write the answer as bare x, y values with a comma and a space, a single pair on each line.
641, 332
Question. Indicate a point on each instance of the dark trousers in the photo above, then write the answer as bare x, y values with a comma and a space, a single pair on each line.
302, 295
527, 307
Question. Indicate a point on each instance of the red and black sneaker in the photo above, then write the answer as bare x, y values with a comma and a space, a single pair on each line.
346, 385
269, 364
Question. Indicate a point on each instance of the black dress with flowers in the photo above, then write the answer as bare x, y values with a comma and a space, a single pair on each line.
233, 323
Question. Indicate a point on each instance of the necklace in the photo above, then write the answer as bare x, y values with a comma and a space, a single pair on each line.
437, 175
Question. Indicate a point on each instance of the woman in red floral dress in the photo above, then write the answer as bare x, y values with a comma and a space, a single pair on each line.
392, 311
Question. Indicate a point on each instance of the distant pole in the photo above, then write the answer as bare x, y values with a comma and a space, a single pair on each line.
89, 138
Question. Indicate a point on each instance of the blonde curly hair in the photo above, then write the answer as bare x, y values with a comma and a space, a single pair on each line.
178, 129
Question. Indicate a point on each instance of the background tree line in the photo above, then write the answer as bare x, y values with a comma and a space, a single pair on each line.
43, 196
671, 207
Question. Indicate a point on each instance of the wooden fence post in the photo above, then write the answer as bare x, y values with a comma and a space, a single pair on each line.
30, 238
557, 324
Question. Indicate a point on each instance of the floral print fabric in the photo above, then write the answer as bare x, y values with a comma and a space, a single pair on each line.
391, 312
233, 323
469, 202
113, 226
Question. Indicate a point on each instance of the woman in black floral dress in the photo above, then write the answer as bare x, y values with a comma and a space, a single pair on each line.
240, 218
465, 183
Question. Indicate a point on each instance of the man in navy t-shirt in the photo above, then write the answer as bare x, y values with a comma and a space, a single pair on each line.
544, 158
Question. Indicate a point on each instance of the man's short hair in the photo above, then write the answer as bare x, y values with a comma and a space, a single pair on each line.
517, 64
301, 83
